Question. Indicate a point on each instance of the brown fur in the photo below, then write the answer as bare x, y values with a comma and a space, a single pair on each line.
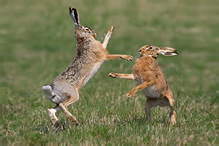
89, 56
151, 79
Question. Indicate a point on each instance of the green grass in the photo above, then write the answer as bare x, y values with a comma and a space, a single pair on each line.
37, 43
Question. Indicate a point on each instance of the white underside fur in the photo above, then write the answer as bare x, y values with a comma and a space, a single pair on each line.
150, 92
92, 72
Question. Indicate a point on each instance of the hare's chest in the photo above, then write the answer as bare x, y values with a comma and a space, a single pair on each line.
150, 91
92, 71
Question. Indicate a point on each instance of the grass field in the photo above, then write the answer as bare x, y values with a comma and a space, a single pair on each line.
37, 43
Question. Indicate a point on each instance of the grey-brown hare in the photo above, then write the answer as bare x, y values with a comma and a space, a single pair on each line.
151, 79
89, 55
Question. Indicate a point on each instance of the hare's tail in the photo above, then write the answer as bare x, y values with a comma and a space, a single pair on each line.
48, 91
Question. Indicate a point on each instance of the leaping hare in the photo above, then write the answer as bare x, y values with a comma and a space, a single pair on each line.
89, 55
151, 79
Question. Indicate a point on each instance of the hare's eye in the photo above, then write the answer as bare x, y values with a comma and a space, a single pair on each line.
139, 51
87, 29
150, 48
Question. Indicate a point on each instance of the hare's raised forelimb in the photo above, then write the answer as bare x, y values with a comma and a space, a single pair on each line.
107, 37
118, 56
122, 76
139, 87
113, 56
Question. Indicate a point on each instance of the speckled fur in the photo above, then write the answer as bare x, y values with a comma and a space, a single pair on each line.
88, 58
89, 55
147, 69
151, 79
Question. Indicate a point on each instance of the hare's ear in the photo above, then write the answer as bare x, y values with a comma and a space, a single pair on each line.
74, 15
167, 51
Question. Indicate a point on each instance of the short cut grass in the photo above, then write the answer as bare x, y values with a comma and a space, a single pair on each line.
37, 43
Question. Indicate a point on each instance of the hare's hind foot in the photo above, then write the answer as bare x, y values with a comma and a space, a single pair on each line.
55, 121
172, 111
147, 121
58, 125
173, 117
72, 119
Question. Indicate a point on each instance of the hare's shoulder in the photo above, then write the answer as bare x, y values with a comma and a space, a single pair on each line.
97, 49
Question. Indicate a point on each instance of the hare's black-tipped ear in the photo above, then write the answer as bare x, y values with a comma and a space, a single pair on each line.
74, 15
167, 51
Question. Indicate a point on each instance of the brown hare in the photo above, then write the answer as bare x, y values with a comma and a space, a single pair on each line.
89, 55
151, 79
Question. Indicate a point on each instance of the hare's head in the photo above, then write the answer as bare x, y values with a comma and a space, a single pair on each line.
154, 51
80, 31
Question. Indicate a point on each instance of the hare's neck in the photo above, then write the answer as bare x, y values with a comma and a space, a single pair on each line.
147, 62
84, 40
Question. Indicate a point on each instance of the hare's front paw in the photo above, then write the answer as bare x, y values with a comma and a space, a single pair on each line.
111, 28
130, 94
128, 57
113, 75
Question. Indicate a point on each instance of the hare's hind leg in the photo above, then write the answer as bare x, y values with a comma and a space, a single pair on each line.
64, 106
172, 111
107, 37
148, 106
55, 121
